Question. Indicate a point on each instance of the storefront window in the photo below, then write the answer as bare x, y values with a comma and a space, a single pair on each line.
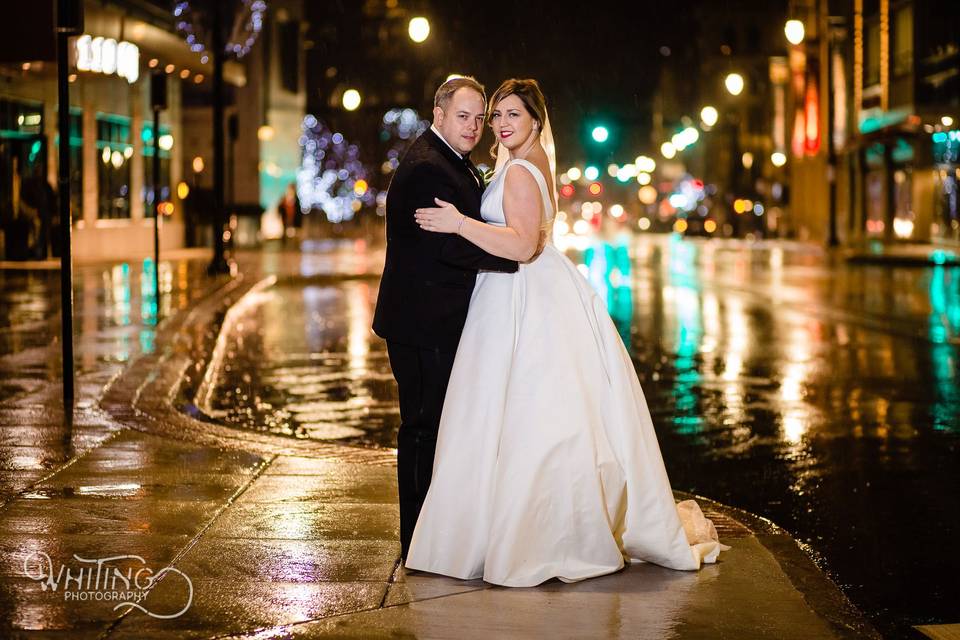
76, 164
873, 183
166, 142
946, 216
113, 168
27, 202
946, 160
903, 220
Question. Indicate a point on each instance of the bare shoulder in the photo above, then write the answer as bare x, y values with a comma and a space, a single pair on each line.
519, 180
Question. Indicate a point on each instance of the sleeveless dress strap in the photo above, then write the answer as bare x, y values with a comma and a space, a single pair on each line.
541, 181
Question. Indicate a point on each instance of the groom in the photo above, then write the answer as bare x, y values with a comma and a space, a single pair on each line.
428, 279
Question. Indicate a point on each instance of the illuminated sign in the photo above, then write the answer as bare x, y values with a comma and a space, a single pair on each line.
106, 55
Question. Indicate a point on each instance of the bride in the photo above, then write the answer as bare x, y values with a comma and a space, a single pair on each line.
547, 464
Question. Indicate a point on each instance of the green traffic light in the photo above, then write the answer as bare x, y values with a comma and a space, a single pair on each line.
600, 133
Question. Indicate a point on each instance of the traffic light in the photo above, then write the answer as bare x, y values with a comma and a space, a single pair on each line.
595, 188
566, 191
600, 133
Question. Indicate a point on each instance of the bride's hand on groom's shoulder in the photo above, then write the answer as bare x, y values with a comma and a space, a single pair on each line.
443, 218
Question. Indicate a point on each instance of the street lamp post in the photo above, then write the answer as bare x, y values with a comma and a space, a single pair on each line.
69, 23
734, 84
158, 100
219, 263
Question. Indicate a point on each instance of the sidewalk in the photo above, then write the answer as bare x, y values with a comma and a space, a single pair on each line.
274, 537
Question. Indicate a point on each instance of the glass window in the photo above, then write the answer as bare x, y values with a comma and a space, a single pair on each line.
166, 140
903, 41
113, 168
872, 71
947, 204
27, 201
76, 163
20, 119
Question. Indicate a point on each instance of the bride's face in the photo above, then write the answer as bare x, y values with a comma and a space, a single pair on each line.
512, 124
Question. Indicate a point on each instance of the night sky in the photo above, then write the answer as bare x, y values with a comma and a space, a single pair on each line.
596, 62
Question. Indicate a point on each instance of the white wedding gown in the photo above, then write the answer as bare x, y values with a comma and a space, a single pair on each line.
547, 463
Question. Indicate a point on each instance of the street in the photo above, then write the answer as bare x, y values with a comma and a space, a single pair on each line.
817, 394
820, 395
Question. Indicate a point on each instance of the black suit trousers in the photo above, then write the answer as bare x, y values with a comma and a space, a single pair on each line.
422, 376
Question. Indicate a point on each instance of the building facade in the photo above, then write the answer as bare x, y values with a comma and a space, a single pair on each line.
111, 134
886, 166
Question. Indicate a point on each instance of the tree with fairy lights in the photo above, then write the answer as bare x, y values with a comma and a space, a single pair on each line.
331, 177
222, 28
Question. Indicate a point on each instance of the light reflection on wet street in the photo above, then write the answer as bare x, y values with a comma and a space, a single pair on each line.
820, 395
115, 320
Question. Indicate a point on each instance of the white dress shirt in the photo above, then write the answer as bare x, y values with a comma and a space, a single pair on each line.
434, 129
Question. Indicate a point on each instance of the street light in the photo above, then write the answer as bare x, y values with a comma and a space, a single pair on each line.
734, 83
709, 116
645, 164
794, 31
668, 150
351, 99
946, 121
419, 29
778, 158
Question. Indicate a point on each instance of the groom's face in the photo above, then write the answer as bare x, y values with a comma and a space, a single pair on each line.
461, 122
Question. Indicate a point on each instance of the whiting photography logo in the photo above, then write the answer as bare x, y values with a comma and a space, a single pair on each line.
125, 580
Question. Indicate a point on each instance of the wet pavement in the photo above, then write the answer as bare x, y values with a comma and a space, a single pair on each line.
115, 320
256, 459
784, 381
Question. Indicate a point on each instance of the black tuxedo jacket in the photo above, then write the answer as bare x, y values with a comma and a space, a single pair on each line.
428, 277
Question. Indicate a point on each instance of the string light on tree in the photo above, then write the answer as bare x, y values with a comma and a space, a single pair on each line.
331, 176
192, 21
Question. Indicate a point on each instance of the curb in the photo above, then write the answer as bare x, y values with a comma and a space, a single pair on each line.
144, 397
796, 560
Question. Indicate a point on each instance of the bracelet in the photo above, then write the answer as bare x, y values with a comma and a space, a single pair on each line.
460, 226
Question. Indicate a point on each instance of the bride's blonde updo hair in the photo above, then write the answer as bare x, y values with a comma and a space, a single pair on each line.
530, 95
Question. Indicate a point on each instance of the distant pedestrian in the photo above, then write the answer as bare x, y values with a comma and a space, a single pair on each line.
290, 213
